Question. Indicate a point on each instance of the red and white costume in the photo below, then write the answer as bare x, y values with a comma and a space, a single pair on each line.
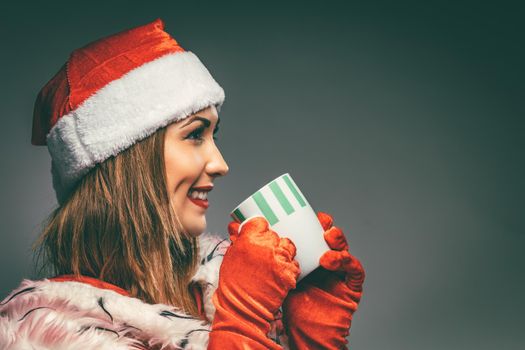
90, 314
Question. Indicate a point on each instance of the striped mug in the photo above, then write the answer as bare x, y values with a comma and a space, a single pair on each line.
289, 215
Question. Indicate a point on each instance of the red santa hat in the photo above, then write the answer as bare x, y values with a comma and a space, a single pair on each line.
114, 92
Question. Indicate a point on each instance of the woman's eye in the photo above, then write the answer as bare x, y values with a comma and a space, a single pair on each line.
197, 135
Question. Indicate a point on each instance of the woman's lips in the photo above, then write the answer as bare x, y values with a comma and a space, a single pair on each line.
200, 202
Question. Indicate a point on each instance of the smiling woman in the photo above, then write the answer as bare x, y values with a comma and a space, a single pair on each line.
130, 123
192, 162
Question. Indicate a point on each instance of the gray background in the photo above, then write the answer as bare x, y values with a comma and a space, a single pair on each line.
404, 122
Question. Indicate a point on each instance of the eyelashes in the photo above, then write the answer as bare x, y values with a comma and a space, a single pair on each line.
197, 134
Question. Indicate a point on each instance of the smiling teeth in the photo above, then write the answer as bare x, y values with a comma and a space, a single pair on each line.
199, 195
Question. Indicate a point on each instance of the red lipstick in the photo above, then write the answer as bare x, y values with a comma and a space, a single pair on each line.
200, 202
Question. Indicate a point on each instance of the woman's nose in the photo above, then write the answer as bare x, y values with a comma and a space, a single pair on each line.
217, 166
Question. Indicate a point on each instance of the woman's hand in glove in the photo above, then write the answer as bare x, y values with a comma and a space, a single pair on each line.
257, 272
318, 314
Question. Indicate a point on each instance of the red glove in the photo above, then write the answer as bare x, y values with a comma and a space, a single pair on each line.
256, 274
318, 314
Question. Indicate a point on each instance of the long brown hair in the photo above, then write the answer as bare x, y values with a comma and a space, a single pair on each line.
118, 225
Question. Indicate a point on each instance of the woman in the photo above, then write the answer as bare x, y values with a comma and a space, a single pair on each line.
130, 122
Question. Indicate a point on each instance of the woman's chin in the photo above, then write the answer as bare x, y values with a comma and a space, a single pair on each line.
195, 228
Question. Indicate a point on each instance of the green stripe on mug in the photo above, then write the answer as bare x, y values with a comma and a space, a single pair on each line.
239, 215
294, 190
265, 208
278, 193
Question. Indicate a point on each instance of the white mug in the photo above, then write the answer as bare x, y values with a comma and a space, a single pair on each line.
290, 215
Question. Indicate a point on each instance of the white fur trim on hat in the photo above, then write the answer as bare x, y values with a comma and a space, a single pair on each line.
127, 110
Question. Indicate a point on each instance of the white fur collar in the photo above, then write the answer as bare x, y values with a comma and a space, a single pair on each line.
65, 315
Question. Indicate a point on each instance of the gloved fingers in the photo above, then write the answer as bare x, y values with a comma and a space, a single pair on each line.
256, 224
351, 264
325, 219
291, 273
334, 260
347, 267
336, 239
258, 228
233, 230
287, 247
297, 270
355, 273
285, 253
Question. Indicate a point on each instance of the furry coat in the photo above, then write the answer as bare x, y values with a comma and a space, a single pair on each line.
50, 314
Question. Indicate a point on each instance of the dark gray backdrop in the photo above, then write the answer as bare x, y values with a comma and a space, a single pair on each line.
404, 122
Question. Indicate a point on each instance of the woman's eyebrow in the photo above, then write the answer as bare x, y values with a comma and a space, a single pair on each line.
197, 118
205, 121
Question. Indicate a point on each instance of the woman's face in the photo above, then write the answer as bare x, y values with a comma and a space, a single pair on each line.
192, 160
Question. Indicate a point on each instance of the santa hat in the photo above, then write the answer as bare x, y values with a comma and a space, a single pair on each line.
114, 92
